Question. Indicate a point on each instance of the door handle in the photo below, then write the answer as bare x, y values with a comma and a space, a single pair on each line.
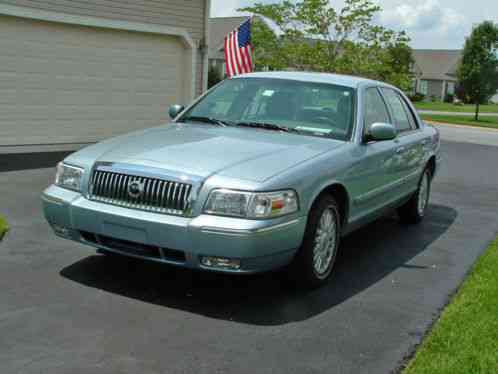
400, 150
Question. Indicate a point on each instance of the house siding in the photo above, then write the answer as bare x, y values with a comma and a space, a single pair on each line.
186, 14
434, 88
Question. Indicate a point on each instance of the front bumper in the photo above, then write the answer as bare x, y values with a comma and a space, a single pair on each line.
259, 245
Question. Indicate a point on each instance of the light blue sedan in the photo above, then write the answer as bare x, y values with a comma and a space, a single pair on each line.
266, 170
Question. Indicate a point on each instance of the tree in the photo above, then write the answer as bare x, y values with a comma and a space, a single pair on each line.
315, 36
3, 227
478, 71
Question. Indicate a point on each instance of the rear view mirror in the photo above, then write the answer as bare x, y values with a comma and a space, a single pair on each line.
175, 110
380, 131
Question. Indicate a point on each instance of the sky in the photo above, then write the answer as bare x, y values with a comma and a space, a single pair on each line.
431, 24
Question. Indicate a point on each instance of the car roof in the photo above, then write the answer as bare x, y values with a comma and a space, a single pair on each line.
339, 79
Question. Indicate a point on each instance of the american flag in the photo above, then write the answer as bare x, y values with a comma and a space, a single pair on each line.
238, 50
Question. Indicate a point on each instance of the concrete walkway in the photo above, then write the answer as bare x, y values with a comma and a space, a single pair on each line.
465, 114
468, 134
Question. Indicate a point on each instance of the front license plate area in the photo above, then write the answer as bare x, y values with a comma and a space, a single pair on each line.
123, 232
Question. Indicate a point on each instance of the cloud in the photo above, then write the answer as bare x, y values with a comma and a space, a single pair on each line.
426, 16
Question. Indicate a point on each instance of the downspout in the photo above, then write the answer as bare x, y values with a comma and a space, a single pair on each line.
205, 57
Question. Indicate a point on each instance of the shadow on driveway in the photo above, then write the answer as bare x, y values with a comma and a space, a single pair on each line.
367, 256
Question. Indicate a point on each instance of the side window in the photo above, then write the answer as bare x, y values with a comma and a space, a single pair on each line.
400, 117
409, 113
423, 87
375, 108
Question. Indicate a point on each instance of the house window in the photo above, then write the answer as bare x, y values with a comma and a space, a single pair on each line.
423, 87
451, 88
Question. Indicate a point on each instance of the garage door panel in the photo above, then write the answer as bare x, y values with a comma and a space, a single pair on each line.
70, 84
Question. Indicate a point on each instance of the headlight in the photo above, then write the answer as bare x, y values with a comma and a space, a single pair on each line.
68, 177
251, 204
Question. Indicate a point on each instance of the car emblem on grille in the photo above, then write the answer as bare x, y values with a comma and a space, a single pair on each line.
135, 189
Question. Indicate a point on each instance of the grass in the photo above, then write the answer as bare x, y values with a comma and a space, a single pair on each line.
448, 107
4, 227
465, 338
489, 122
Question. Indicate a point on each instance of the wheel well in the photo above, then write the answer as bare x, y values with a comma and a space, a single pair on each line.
341, 196
431, 164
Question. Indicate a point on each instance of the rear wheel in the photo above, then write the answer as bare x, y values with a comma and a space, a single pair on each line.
415, 209
315, 260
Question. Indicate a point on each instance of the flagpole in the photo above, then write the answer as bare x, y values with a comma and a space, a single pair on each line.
252, 45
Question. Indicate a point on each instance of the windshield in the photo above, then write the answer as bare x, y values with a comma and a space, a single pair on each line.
306, 108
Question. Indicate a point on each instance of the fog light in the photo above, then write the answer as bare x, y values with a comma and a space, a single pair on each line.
60, 230
221, 262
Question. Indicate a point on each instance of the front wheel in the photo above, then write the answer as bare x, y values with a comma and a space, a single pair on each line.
415, 209
315, 260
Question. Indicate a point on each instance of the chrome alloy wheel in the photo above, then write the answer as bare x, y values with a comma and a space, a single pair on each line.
423, 194
325, 242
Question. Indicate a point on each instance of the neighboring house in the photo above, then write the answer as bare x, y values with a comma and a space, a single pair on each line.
219, 28
78, 71
435, 72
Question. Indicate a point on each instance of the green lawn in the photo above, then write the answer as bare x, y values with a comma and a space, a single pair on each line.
490, 122
465, 338
3, 227
448, 107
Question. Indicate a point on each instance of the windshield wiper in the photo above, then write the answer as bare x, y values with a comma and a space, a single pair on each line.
210, 120
266, 126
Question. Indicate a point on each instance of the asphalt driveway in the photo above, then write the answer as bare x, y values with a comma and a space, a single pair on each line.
65, 309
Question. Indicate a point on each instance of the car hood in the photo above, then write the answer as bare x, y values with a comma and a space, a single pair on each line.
206, 150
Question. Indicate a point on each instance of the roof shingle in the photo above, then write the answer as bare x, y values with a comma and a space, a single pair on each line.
438, 64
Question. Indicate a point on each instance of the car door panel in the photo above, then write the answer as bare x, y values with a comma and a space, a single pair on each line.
372, 175
371, 178
409, 152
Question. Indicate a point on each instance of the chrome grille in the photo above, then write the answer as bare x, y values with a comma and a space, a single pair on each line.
157, 195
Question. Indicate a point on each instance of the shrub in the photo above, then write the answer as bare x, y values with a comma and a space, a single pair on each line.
449, 98
416, 97
434, 98
214, 77
3, 227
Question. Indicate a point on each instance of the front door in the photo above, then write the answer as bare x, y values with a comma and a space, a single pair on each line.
373, 175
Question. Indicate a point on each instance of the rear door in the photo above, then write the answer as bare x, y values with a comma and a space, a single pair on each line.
409, 149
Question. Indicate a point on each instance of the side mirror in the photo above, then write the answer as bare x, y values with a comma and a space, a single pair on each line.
175, 110
380, 131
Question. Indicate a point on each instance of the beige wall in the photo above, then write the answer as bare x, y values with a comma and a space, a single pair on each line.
62, 83
187, 14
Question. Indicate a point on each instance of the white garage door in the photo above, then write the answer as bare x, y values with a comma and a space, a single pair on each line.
70, 84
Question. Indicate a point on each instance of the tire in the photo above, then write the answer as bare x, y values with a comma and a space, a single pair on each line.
306, 269
414, 210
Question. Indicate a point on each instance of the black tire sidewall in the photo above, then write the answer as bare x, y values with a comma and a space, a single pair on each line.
409, 213
427, 174
303, 262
